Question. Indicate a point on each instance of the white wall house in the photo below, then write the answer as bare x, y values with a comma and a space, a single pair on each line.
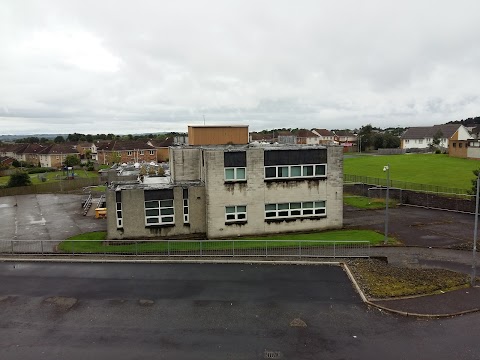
421, 137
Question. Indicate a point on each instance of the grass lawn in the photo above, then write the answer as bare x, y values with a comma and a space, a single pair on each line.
362, 202
53, 176
434, 169
327, 237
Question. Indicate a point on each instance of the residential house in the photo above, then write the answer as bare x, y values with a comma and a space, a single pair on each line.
326, 137
161, 147
345, 137
263, 137
6, 161
125, 151
422, 137
55, 155
307, 137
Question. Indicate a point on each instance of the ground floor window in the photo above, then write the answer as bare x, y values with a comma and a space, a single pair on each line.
235, 213
159, 212
295, 210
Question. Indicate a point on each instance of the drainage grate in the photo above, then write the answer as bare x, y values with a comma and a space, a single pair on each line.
272, 354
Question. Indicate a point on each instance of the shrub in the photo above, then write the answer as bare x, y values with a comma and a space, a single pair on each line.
19, 179
40, 170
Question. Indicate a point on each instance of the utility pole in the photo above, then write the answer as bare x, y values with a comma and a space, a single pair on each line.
474, 260
387, 169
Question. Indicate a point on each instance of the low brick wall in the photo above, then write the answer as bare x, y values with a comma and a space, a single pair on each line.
455, 203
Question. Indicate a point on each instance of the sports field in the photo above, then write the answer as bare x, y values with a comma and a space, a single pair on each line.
433, 169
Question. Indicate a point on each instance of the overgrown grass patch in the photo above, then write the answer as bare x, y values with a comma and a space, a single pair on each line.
362, 202
380, 280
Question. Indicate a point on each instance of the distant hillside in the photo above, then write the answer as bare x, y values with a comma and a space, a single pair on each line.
467, 122
15, 137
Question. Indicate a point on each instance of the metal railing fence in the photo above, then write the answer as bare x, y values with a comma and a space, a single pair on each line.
404, 185
188, 248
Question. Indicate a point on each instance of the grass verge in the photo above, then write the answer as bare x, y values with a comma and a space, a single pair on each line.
380, 280
323, 238
362, 202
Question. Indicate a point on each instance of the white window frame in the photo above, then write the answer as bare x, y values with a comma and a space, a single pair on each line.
152, 152
297, 209
235, 173
186, 212
141, 152
285, 171
167, 205
237, 215
129, 153
119, 215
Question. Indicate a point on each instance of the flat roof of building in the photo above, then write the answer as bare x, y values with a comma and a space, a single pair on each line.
256, 146
218, 126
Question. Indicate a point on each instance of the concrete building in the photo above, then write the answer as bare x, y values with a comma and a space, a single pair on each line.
231, 191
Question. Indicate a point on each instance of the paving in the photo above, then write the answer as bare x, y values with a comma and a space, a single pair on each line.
45, 217
192, 311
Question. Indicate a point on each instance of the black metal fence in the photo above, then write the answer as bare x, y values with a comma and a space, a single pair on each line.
404, 185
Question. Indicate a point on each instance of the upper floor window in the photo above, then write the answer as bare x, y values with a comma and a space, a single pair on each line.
235, 165
141, 152
129, 153
295, 171
235, 174
152, 152
291, 164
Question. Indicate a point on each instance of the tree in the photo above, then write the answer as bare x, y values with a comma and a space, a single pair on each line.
72, 160
16, 163
59, 139
473, 191
435, 144
20, 178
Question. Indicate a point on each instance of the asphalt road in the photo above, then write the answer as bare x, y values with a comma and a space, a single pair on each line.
187, 311
416, 226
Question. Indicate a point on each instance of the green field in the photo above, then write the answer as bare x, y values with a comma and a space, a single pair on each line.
433, 169
95, 245
52, 176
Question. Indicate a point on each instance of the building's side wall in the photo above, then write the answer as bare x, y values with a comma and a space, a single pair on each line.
255, 193
463, 133
133, 214
473, 152
185, 163
217, 135
458, 148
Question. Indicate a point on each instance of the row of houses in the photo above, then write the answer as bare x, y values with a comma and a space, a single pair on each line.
103, 152
457, 140
307, 137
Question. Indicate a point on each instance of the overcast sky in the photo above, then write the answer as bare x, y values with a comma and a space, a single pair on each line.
149, 66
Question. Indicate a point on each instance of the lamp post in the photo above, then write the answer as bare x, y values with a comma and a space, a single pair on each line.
474, 265
387, 170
